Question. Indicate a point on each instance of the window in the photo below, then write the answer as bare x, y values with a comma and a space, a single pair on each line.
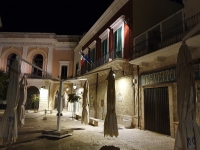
93, 57
118, 43
104, 50
104, 45
118, 30
64, 72
38, 61
64, 65
10, 60
85, 66
92, 47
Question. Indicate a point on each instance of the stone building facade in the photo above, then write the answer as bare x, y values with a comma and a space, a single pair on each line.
52, 53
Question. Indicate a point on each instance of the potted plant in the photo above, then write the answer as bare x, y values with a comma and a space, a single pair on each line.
35, 100
72, 99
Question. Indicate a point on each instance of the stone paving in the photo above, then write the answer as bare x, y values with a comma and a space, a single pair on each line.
85, 137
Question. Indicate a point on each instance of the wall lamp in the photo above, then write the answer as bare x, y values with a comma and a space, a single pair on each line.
67, 89
134, 81
114, 75
74, 86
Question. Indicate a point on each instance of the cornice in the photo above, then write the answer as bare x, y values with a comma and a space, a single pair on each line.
107, 15
29, 42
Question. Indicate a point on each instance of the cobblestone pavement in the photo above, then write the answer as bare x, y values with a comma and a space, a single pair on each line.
85, 137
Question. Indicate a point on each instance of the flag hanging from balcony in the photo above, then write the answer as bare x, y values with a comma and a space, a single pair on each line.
82, 61
87, 59
84, 57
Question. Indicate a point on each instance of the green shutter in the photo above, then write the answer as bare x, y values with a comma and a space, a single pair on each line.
118, 43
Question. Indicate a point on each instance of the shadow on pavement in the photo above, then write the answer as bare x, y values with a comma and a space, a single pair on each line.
29, 132
77, 128
20, 142
109, 148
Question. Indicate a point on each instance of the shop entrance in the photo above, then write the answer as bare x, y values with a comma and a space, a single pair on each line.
156, 110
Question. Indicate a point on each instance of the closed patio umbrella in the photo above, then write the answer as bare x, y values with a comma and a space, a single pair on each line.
22, 100
8, 127
85, 111
110, 123
188, 135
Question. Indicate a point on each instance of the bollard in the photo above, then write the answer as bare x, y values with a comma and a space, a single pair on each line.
45, 112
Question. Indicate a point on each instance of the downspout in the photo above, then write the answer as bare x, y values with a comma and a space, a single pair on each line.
96, 95
138, 96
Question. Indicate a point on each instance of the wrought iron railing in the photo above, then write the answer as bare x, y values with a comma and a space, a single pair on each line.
173, 33
104, 59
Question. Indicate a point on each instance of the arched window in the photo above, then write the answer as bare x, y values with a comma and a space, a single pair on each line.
10, 60
38, 61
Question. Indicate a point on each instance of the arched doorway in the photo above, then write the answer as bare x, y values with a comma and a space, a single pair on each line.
31, 91
56, 100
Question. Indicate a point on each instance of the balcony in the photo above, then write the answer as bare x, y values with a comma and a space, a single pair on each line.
166, 33
103, 60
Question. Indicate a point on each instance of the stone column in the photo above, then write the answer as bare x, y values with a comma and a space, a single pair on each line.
24, 55
49, 60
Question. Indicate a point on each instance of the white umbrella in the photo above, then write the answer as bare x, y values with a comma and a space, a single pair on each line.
110, 123
188, 134
85, 111
8, 127
22, 100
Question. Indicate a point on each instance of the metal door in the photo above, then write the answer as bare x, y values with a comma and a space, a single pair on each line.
156, 110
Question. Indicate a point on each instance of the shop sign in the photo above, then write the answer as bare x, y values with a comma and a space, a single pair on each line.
164, 76
161, 76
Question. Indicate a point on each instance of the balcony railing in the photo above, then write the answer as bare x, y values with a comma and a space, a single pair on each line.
104, 59
168, 32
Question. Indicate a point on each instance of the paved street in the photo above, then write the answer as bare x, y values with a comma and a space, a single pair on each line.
85, 137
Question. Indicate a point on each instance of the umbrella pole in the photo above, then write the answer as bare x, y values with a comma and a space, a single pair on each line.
59, 106
58, 133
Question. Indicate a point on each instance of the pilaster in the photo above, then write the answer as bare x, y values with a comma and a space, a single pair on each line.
49, 60
24, 55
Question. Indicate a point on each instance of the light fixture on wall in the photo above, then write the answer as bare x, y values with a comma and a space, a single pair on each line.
67, 89
74, 86
114, 75
134, 81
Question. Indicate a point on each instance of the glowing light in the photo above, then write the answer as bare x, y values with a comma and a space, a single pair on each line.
114, 75
74, 86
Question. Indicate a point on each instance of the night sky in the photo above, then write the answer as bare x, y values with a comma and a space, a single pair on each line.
63, 17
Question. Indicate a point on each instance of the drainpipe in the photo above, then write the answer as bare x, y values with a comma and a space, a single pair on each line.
138, 96
96, 95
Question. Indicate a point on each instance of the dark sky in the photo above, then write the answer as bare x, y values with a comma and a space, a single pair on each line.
63, 17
